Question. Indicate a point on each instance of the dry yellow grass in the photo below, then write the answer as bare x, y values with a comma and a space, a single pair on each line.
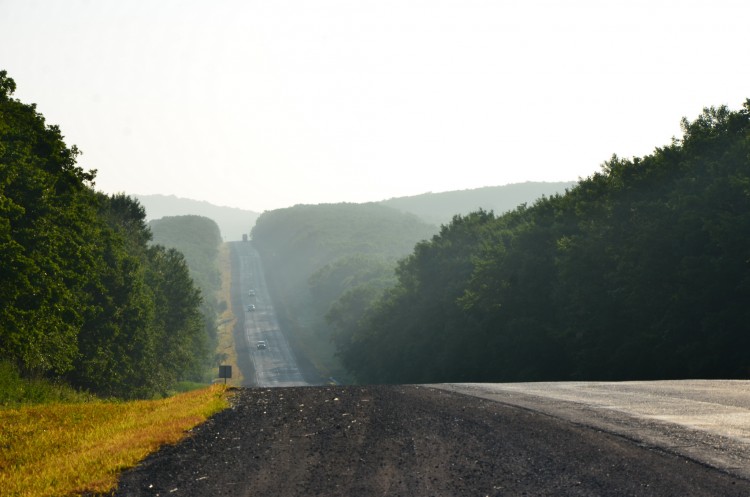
69, 449
227, 320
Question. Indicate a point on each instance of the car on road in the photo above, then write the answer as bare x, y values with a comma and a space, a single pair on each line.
251, 308
251, 293
261, 344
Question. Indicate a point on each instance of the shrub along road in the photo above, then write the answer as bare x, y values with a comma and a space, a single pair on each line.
409, 440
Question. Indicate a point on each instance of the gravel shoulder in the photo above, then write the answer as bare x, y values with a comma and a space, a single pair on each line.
407, 440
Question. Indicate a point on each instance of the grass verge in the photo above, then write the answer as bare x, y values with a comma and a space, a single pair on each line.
226, 346
71, 449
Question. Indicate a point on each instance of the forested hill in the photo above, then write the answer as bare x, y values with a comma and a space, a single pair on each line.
83, 296
233, 222
641, 271
198, 238
433, 208
439, 208
315, 253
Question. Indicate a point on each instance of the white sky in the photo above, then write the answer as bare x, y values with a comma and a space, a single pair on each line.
262, 104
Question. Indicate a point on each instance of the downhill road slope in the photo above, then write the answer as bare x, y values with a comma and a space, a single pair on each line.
410, 441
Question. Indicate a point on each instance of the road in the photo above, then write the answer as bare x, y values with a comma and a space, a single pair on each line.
707, 421
275, 365
663, 438
406, 440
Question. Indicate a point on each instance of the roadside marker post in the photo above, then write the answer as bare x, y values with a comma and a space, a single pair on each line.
225, 372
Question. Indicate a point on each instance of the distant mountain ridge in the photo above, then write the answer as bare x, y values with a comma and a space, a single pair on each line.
433, 208
439, 208
233, 222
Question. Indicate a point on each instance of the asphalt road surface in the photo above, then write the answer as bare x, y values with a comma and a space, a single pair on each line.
273, 364
704, 420
411, 441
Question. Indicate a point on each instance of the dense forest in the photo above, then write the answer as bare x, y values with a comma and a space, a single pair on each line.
641, 271
315, 253
84, 296
198, 239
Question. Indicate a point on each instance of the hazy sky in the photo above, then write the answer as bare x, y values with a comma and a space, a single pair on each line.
263, 104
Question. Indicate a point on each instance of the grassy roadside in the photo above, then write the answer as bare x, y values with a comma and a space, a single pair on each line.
227, 320
70, 449
57, 442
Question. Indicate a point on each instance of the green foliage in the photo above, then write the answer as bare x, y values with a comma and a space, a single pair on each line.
198, 239
47, 219
183, 349
304, 238
640, 271
16, 391
315, 253
187, 386
82, 295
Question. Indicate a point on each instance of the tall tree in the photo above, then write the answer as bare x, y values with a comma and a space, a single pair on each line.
82, 296
46, 240
638, 272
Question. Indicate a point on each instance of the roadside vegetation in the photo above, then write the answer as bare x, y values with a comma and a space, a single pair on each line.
641, 271
85, 298
314, 253
93, 316
199, 240
16, 391
226, 350
73, 448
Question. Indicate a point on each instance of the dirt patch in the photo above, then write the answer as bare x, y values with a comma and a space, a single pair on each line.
407, 440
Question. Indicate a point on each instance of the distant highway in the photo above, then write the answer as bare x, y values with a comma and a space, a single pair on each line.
275, 364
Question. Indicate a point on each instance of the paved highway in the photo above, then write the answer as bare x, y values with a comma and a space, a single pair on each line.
707, 421
406, 440
275, 364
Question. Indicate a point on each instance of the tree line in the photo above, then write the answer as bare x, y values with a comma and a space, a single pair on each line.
198, 238
640, 271
84, 296
315, 253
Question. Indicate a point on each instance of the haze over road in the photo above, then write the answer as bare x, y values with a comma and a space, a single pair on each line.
705, 420
275, 365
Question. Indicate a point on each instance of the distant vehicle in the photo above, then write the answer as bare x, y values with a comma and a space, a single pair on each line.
251, 293
251, 308
262, 344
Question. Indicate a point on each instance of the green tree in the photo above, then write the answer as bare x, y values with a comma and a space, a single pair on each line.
117, 340
638, 272
47, 243
81, 293
315, 253
182, 349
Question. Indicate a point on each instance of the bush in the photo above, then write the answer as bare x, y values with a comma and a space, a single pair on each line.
15, 390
